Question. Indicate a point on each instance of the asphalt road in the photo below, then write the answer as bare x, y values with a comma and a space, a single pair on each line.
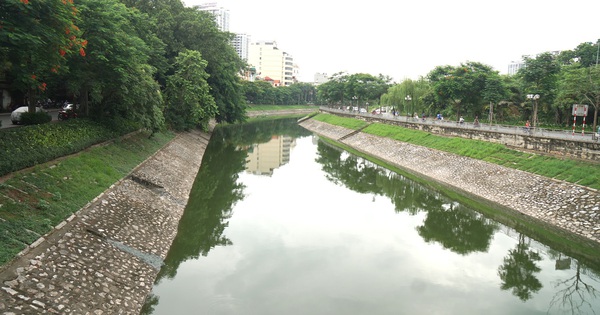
6, 123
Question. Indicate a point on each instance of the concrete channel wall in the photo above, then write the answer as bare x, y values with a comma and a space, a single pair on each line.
570, 208
104, 259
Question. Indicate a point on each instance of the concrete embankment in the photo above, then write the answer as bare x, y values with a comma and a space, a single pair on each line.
104, 258
569, 207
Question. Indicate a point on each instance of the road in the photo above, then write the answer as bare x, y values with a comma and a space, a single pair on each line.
6, 123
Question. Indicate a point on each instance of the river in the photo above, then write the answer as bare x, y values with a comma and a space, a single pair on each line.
279, 222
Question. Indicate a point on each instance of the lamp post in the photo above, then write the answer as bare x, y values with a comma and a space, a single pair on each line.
534, 98
408, 99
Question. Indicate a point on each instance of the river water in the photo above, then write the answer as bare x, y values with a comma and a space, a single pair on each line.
279, 222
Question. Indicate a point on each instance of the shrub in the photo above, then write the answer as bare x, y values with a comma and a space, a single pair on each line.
36, 118
39, 143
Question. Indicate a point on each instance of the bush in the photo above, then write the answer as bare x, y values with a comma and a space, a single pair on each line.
36, 118
39, 143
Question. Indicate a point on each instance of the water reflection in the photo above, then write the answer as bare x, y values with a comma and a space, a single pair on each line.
432, 254
458, 229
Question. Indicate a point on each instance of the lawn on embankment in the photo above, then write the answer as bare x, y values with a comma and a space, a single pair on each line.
35, 200
574, 171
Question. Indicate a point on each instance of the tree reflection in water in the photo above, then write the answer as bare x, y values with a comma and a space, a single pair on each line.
517, 272
454, 226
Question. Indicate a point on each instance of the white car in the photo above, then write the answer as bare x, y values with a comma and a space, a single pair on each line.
15, 116
70, 106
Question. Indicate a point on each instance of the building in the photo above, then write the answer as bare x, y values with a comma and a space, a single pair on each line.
241, 43
221, 14
320, 78
514, 66
270, 61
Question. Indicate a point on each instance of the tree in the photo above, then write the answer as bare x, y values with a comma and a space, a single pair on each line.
189, 102
116, 73
36, 38
539, 76
463, 86
493, 92
581, 85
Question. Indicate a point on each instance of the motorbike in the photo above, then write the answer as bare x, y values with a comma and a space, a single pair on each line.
65, 114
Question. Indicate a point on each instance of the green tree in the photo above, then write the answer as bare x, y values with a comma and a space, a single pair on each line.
462, 86
36, 38
115, 73
539, 76
183, 28
334, 90
189, 102
581, 85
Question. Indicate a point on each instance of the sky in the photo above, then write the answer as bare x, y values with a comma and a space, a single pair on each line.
407, 39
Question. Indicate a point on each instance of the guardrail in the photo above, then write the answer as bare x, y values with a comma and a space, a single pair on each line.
506, 129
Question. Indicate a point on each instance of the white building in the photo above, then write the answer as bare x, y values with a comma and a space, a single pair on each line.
271, 62
320, 78
221, 14
241, 43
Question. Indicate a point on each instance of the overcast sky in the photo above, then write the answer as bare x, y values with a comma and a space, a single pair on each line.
407, 39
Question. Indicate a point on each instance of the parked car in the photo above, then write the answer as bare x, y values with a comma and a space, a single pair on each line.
15, 116
70, 106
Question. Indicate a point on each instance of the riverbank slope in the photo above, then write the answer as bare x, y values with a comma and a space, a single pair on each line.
569, 207
104, 258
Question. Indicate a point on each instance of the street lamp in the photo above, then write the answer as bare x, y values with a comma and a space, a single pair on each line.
534, 98
408, 99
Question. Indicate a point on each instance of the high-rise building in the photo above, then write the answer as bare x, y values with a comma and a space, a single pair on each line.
241, 42
271, 62
221, 14
320, 78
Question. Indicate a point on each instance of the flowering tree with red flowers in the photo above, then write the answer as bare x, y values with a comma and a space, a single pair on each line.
36, 38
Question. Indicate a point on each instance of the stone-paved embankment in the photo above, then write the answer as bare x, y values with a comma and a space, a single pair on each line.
568, 206
104, 259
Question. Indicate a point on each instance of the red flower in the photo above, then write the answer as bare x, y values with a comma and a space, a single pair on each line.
25, 1
82, 52
62, 52
42, 86
33, 76
84, 43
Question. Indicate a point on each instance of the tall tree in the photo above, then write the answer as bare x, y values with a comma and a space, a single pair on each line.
463, 86
581, 85
539, 76
189, 102
116, 73
36, 38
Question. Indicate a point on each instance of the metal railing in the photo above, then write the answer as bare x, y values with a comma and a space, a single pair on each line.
506, 129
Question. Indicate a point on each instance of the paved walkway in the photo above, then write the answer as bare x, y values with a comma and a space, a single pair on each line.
567, 206
104, 259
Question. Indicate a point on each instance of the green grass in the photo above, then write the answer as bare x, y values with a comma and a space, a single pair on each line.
575, 171
33, 201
